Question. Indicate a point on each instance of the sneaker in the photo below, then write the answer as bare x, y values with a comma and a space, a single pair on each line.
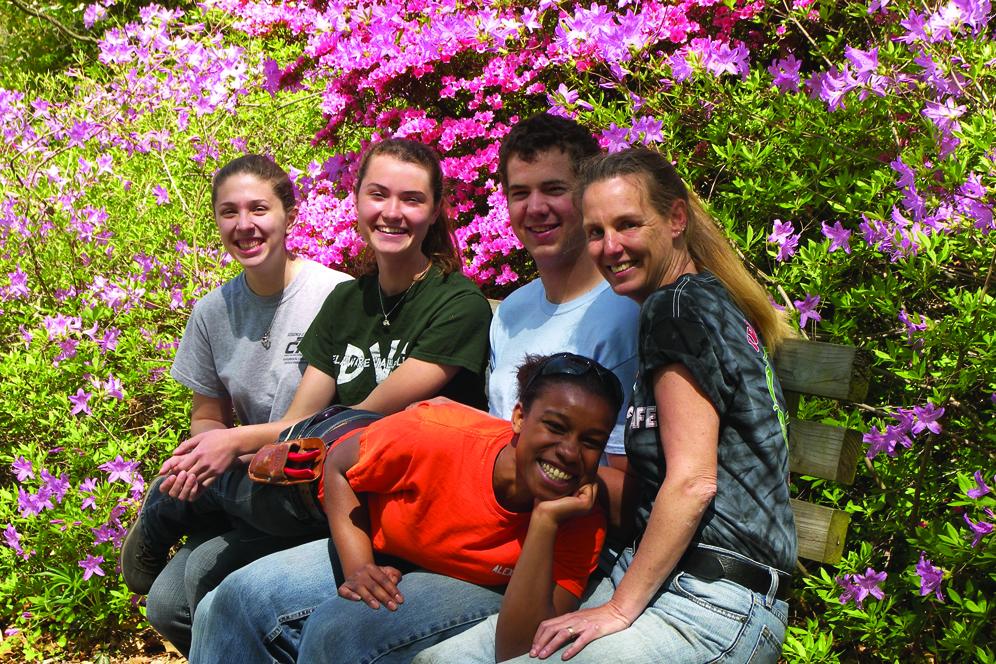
142, 559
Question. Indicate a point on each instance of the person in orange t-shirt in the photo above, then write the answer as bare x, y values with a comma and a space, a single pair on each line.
445, 489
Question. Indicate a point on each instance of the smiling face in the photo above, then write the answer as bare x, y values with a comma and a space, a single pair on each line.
560, 440
540, 207
395, 208
252, 221
636, 248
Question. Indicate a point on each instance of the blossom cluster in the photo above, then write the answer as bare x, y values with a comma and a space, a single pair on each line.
51, 491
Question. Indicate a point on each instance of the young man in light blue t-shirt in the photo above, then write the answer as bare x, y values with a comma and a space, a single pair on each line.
570, 307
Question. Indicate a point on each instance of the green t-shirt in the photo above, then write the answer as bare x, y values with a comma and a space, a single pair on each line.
443, 319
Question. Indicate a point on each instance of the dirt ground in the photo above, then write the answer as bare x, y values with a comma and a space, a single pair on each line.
145, 648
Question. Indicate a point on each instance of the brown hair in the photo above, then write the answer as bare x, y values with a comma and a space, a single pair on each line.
261, 167
439, 244
544, 132
706, 243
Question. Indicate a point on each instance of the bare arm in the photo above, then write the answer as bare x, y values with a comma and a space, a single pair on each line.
532, 596
209, 413
413, 380
349, 523
689, 436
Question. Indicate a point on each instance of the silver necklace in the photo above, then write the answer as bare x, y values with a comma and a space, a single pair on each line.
265, 339
380, 295
380, 298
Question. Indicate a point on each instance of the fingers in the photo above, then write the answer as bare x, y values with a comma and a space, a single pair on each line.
182, 486
375, 586
186, 446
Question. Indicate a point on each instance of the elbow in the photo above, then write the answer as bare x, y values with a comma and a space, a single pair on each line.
702, 488
698, 489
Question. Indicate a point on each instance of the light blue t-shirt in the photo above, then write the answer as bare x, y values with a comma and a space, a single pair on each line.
599, 324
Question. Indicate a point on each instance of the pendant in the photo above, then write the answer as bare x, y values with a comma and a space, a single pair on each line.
386, 323
265, 340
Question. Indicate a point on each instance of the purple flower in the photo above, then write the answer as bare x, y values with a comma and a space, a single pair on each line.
892, 436
18, 284
926, 418
786, 73
650, 128
782, 235
980, 487
55, 486
865, 62
91, 566
807, 309
615, 138
979, 530
80, 402
930, 577
868, 584
119, 469
860, 586
112, 386
911, 327
944, 116
12, 538
31, 504
162, 196
839, 237
23, 469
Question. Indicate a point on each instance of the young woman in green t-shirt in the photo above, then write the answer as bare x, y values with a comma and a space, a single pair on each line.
413, 267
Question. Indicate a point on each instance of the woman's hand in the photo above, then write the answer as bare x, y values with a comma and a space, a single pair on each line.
374, 585
197, 461
568, 507
583, 626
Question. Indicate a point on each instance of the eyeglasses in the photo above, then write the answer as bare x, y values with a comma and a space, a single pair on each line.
576, 365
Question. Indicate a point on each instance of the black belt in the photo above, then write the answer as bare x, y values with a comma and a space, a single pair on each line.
711, 565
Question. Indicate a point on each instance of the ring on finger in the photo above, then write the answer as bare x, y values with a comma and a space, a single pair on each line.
570, 630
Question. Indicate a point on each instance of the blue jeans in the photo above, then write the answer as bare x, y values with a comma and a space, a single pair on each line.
690, 620
285, 608
197, 568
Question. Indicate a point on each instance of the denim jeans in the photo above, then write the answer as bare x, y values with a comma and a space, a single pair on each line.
690, 620
285, 608
197, 568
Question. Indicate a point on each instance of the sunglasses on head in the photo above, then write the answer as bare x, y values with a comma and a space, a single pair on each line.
575, 365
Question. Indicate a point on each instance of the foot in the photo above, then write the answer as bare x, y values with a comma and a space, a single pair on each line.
143, 558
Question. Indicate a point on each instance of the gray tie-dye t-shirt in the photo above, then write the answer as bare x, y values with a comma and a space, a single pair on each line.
694, 322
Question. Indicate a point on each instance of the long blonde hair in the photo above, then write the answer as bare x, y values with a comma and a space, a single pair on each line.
706, 243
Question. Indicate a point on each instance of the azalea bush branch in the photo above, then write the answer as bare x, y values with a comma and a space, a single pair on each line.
63, 28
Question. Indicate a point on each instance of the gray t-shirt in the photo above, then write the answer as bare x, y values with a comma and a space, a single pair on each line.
221, 354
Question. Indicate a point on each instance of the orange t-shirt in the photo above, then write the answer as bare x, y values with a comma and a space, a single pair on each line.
427, 478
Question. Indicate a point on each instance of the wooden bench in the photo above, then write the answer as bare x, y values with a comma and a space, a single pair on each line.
831, 371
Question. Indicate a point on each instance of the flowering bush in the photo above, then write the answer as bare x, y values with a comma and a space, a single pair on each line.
846, 148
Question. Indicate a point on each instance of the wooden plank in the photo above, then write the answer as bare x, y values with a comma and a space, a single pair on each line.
823, 451
822, 369
821, 531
